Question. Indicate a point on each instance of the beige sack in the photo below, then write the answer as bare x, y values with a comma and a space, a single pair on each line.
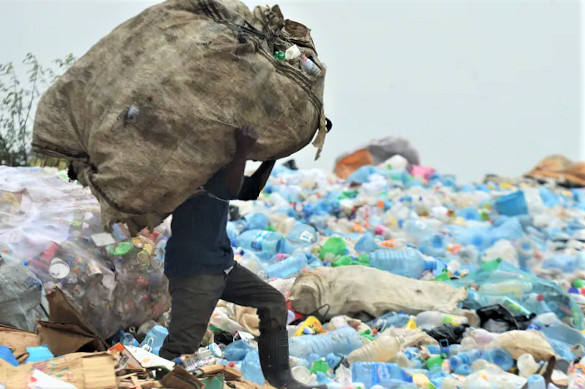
148, 114
526, 342
352, 289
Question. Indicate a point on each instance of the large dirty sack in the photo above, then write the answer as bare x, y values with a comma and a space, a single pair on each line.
112, 280
149, 113
353, 289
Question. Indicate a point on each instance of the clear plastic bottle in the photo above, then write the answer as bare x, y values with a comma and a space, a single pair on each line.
251, 262
310, 67
406, 262
377, 373
383, 349
527, 366
267, 243
366, 244
288, 267
341, 341
428, 320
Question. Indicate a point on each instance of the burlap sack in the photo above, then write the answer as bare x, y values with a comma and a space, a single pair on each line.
353, 289
149, 113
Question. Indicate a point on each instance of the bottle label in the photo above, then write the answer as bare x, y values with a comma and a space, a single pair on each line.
259, 239
306, 236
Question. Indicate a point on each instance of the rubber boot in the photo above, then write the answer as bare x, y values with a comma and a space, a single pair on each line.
274, 359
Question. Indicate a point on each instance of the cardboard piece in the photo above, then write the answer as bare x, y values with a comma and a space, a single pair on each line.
18, 340
180, 378
82, 370
65, 339
125, 358
67, 331
40, 380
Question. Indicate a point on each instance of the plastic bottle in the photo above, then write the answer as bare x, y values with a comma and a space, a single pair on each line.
536, 382
499, 356
375, 373
341, 341
406, 262
335, 245
265, 243
154, 339
383, 349
302, 235
434, 245
465, 358
527, 366
428, 320
251, 369
288, 267
257, 221
251, 262
513, 288
310, 67
128, 340
389, 320
366, 244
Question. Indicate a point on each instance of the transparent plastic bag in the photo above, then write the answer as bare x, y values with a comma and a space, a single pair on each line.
55, 228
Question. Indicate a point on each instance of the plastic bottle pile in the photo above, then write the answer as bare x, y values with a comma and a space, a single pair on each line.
515, 247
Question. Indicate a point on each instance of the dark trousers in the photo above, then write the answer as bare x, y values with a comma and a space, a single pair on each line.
195, 298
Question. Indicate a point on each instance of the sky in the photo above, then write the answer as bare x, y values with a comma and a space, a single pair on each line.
477, 86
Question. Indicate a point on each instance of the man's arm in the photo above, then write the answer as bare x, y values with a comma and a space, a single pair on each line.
246, 138
253, 185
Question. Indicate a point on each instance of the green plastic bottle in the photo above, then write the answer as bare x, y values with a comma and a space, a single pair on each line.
346, 260
320, 365
334, 245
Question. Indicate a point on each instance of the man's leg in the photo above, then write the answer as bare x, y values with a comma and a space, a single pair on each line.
244, 288
193, 302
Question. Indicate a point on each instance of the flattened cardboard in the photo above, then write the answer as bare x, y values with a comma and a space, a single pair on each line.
83, 370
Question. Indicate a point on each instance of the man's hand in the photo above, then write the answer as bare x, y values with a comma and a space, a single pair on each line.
246, 138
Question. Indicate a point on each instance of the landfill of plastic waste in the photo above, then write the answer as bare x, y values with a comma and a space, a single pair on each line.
501, 262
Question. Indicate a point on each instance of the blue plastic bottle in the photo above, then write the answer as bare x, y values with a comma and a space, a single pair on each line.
500, 357
389, 320
536, 382
406, 262
378, 373
367, 244
251, 369
344, 340
466, 358
288, 267
302, 235
257, 221
154, 339
433, 245
264, 243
